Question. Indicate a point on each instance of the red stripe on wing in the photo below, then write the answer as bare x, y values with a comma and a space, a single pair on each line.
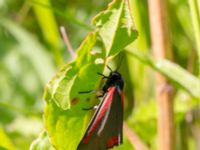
112, 141
104, 107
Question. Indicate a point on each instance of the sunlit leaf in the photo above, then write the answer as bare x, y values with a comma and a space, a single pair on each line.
116, 26
63, 111
5, 141
49, 27
64, 127
61, 88
172, 71
42, 143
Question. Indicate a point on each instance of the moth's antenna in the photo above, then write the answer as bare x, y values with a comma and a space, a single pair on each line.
109, 68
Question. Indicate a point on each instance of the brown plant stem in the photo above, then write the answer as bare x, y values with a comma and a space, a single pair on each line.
134, 139
67, 42
162, 49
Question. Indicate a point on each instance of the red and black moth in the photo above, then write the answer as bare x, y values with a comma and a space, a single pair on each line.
105, 129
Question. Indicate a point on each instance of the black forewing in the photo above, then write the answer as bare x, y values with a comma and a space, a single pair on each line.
109, 127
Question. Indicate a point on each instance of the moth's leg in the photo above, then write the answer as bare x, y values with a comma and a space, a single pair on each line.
86, 92
99, 93
104, 77
91, 108
99, 96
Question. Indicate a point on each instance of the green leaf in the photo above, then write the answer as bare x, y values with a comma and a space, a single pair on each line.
63, 112
3, 148
195, 18
180, 76
49, 27
65, 127
32, 50
5, 141
42, 143
116, 26
59, 87
71, 79
172, 71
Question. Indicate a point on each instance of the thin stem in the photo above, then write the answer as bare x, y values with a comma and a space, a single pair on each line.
134, 139
67, 42
162, 49
23, 11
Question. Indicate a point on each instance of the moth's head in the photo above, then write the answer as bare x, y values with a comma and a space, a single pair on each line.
115, 75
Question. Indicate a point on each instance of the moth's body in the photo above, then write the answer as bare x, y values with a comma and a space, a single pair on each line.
105, 128
114, 79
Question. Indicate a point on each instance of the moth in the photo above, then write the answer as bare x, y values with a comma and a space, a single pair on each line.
105, 129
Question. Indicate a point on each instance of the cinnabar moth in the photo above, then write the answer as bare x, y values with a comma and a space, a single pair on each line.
105, 128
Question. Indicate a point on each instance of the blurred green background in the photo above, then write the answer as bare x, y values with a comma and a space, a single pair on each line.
32, 50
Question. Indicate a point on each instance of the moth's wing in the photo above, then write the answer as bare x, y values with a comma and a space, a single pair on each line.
105, 128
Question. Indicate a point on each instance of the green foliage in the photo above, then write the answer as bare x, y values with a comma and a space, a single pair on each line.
172, 71
60, 88
195, 15
42, 143
60, 116
49, 27
32, 50
114, 23
5, 141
